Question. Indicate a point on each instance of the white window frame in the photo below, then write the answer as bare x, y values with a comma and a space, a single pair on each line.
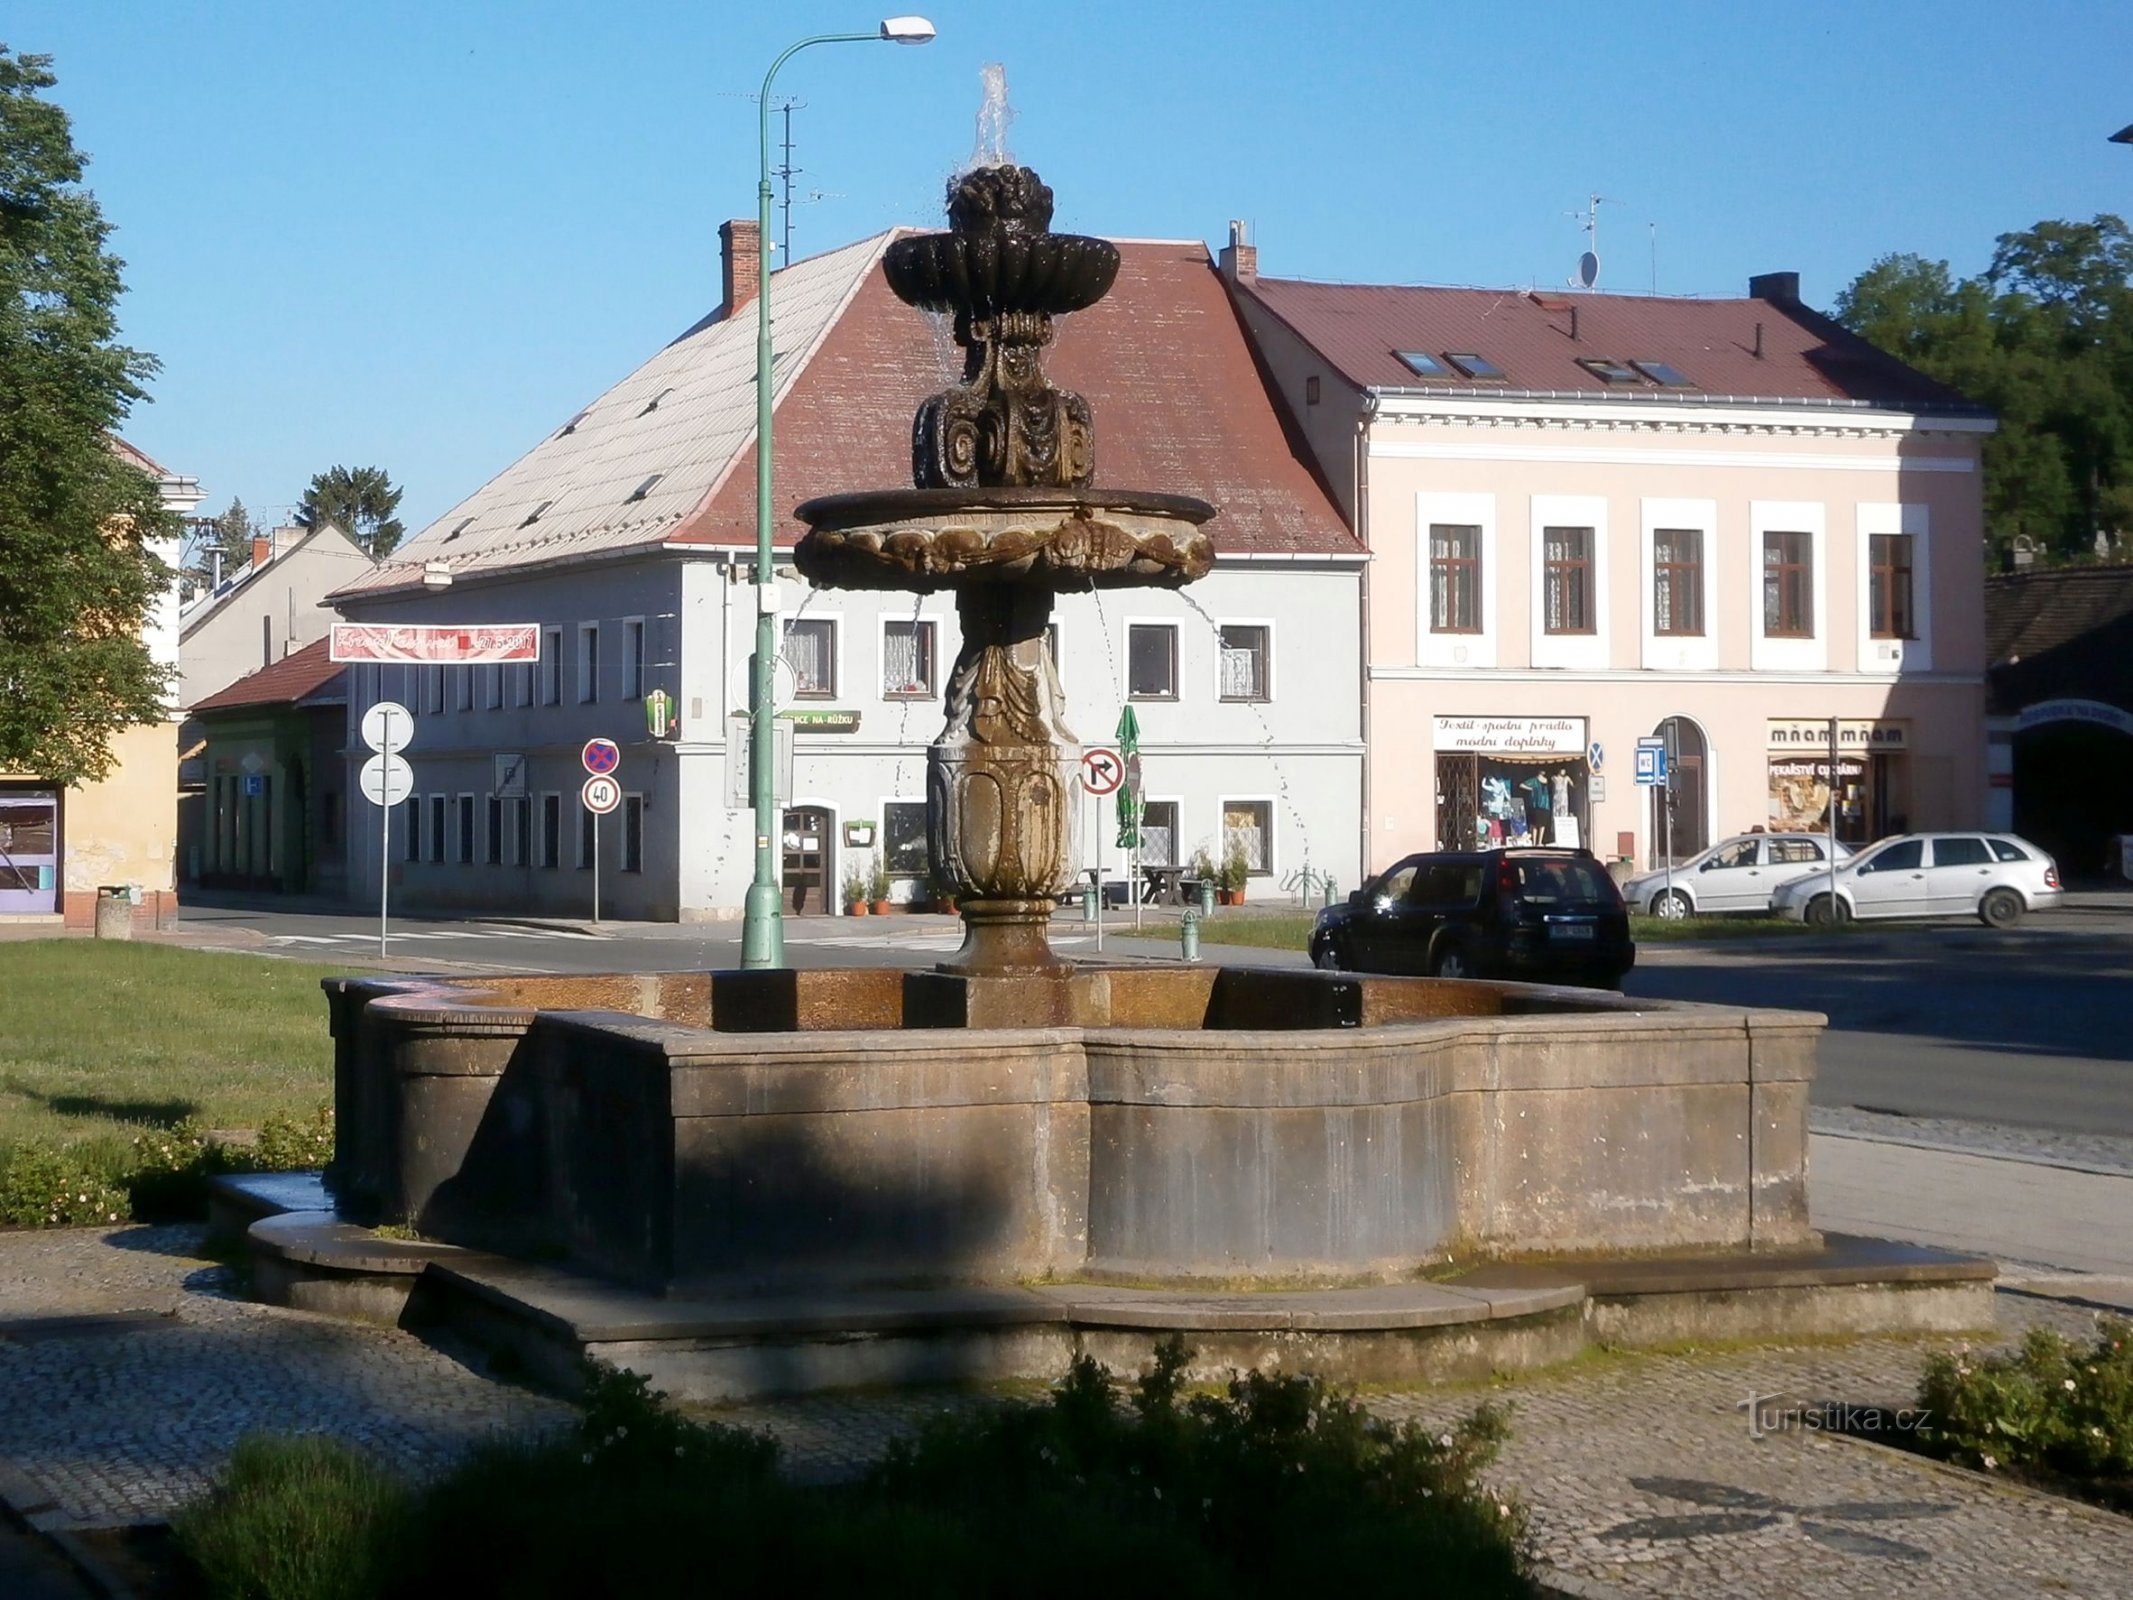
492, 830
1810, 517
466, 831
588, 663
881, 834
1273, 827
492, 686
439, 827
1674, 652
1478, 649
463, 687
411, 828
1177, 660
1580, 652
1265, 698
540, 844
883, 623
1888, 657
551, 665
1180, 856
434, 691
631, 798
636, 657
838, 680
519, 823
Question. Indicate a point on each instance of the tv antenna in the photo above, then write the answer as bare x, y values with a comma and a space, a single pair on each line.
1588, 273
785, 172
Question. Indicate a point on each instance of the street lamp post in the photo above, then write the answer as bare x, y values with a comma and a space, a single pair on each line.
763, 926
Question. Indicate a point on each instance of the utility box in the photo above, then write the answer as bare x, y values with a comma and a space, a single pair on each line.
114, 912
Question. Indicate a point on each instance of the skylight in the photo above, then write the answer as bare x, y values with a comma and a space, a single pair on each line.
1663, 375
1608, 370
464, 524
1423, 365
653, 403
534, 515
644, 488
572, 425
1470, 365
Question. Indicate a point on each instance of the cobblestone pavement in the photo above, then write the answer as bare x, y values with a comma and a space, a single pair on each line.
1642, 1473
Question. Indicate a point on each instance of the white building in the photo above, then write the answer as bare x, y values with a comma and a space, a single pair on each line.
628, 534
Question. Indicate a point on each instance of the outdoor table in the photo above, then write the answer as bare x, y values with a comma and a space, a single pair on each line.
1164, 884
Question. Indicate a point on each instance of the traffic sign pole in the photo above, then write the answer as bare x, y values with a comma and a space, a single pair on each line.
596, 869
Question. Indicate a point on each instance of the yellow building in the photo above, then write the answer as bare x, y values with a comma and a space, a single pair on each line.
60, 845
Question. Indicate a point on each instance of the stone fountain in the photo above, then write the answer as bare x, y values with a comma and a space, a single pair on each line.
1005, 513
756, 1181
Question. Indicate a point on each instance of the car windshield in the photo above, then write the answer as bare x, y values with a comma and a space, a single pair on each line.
1563, 880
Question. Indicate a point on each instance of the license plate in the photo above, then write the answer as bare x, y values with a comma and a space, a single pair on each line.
1572, 930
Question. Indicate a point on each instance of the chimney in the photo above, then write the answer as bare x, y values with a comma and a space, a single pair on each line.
740, 249
1779, 288
1240, 257
262, 550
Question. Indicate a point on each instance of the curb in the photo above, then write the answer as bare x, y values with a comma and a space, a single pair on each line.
1950, 1148
28, 1508
2063, 1505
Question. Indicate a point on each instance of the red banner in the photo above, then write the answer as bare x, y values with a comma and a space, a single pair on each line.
421, 644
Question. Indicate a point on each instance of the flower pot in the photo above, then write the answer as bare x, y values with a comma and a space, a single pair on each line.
1233, 897
881, 908
858, 908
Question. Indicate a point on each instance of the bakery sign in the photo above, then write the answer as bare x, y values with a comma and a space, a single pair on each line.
1853, 733
1535, 736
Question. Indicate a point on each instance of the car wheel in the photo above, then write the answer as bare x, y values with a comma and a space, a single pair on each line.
1327, 957
1450, 962
1824, 912
1673, 906
2002, 908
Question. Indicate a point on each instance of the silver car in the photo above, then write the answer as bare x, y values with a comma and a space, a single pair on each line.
1994, 877
1736, 874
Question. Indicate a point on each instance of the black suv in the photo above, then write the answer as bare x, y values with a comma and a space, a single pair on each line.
1549, 916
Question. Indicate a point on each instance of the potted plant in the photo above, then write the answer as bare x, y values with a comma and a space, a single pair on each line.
1205, 878
855, 889
878, 886
1235, 870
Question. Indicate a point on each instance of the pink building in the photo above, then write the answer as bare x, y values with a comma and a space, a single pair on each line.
1597, 518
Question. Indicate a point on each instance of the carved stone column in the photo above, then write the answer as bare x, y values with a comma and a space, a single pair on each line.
999, 813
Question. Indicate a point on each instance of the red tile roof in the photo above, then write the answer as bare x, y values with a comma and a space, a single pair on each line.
1359, 329
1180, 407
294, 677
2066, 632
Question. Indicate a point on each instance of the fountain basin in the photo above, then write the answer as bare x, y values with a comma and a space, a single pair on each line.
925, 540
779, 1131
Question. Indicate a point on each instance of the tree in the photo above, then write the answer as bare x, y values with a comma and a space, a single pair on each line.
230, 535
2044, 336
77, 570
360, 501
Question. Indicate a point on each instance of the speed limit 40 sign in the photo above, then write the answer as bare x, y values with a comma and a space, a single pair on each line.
601, 795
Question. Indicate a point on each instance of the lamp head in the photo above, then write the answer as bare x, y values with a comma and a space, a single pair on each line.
907, 30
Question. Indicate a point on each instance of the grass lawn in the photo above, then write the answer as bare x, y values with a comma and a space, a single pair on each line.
101, 1039
1264, 930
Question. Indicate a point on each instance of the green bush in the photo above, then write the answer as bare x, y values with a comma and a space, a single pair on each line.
1280, 1486
47, 1186
294, 1519
2053, 1405
291, 1144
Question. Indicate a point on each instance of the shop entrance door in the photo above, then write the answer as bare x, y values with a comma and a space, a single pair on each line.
1680, 821
1457, 781
810, 861
29, 854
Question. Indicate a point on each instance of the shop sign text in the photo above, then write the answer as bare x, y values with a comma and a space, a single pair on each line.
1547, 736
1812, 733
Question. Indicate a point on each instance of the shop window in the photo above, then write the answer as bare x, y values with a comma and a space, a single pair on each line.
1247, 652
1454, 577
493, 844
633, 659
907, 660
633, 833
465, 852
522, 831
903, 838
1677, 582
1889, 586
1159, 833
437, 826
811, 651
551, 830
1151, 661
1567, 556
551, 665
1248, 826
588, 663
1788, 586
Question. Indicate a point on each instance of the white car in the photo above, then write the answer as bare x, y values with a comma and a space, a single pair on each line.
1994, 877
1736, 874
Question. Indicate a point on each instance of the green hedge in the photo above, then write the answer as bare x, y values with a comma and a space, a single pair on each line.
160, 1176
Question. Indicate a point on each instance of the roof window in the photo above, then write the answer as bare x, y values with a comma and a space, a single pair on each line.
1422, 364
1469, 365
572, 425
652, 404
464, 524
534, 515
1663, 375
644, 488
1608, 370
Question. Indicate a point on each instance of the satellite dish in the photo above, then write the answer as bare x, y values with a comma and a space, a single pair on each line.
1588, 270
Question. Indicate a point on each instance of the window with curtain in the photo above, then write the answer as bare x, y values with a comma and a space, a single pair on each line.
907, 660
1454, 578
1245, 649
1159, 833
811, 652
1566, 554
1248, 825
1677, 582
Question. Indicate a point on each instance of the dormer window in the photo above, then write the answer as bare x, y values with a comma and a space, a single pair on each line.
1469, 365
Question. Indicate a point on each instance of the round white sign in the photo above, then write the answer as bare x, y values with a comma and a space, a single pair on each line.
388, 726
601, 795
386, 780
1102, 771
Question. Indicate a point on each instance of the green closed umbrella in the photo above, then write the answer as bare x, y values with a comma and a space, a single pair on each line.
1129, 792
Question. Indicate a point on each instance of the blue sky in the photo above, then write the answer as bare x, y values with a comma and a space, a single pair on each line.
421, 235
